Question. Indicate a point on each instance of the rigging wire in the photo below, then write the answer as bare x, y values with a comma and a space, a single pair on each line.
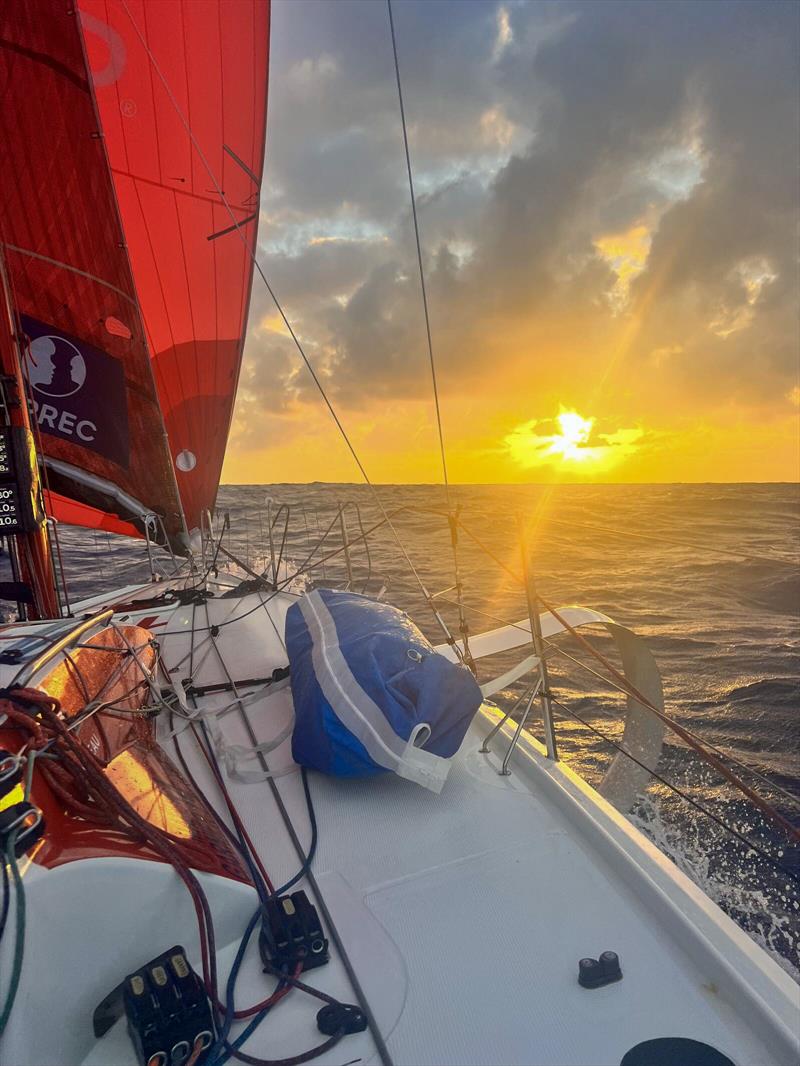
676, 542
413, 198
296, 340
700, 743
451, 517
680, 792
702, 740
698, 746
763, 805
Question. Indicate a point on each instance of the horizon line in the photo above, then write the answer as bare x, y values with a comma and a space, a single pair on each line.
501, 484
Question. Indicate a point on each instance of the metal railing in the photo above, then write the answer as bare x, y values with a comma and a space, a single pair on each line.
64, 640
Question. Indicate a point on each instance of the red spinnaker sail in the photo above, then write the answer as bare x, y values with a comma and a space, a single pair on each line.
69, 279
181, 88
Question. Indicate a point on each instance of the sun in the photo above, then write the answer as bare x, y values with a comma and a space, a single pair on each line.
575, 431
575, 445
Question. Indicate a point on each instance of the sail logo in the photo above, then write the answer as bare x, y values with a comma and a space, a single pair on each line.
55, 366
79, 392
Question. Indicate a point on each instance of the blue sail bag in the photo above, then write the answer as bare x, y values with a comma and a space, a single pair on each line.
371, 695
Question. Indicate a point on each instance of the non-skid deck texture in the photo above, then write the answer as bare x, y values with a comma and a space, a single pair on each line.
465, 914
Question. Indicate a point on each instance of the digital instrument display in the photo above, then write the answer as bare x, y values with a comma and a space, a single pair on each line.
17, 510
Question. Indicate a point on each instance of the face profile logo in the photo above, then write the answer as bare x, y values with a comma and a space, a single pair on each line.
55, 366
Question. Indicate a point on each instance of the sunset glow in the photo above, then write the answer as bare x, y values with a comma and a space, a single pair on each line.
610, 263
574, 442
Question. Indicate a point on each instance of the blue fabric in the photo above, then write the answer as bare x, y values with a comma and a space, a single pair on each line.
393, 663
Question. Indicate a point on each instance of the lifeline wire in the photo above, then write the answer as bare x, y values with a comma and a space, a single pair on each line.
765, 807
677, 542
679, 792
720, 751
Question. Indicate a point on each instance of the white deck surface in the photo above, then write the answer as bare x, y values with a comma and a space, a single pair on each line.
464, 915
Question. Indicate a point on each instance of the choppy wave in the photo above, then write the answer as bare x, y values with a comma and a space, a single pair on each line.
724, 630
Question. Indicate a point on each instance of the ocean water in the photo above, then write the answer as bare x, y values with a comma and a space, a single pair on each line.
716, 594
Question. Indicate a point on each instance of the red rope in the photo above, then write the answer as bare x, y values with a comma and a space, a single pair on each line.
80, 774
270, 1001
235, 818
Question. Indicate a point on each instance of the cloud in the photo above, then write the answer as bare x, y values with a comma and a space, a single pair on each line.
505, 34
606, 200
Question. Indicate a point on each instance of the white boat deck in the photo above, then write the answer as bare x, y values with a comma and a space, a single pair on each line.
463, 915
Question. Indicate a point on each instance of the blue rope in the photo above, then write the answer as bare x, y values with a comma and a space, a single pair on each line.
218, 1055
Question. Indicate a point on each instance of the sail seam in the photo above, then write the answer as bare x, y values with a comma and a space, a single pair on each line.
72, 269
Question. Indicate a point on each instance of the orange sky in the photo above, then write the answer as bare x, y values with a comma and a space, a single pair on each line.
611, 266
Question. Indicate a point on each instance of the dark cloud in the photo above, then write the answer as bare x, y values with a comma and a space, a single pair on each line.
536, 130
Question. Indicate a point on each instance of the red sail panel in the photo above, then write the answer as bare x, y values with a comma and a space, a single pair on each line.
154, 65
73, 513
69, 277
